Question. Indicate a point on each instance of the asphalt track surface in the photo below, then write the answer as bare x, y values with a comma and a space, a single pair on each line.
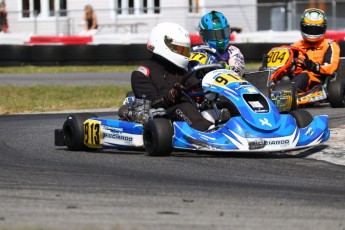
44, 186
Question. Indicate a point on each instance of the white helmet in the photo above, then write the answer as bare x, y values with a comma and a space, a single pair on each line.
172, 42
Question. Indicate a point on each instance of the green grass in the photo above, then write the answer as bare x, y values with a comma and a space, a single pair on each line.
65, 69
58, 98
15, 99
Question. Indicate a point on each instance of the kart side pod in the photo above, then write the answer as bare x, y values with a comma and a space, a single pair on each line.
86, 131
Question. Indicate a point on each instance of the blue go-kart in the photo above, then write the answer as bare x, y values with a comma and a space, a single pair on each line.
253, 123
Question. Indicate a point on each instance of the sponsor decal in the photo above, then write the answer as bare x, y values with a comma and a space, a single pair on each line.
144, 70
317, 96
183, 116
118, 137
265, 122
198, 144
114, 129
150, 47
260, 144
309, 132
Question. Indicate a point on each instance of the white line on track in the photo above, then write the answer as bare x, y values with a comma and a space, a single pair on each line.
335, 152
332, 151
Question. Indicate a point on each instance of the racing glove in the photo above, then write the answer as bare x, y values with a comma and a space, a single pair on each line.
312, 66
175, 93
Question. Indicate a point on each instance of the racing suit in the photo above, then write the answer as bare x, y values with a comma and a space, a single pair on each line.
325, 54
154, 81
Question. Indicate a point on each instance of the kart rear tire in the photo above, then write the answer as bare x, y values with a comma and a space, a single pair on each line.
158, 134
303, 117
286, 86
336, 94
73, 130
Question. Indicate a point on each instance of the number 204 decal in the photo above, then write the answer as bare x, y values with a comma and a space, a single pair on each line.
92, 133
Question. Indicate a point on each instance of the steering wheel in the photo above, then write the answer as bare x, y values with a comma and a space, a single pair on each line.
197, 68
209, 50
285, 61
190, 73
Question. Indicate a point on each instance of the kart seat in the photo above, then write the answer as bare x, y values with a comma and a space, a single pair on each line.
336, 76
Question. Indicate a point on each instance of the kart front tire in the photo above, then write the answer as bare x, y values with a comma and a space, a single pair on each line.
73, 130
158, 134
303, 117
336, 94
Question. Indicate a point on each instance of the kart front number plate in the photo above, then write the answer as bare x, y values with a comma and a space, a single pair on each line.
277, 57
92, 134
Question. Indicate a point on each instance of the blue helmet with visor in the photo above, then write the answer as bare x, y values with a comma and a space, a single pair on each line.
215, 30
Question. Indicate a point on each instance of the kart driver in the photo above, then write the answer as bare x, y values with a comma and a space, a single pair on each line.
214, 31
157, 80
323, 53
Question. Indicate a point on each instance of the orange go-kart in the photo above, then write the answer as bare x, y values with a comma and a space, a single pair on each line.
283, 63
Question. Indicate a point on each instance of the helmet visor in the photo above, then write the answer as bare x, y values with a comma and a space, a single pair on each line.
313, 29
177, 47
216, 35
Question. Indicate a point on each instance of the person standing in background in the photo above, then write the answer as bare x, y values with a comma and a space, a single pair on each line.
90, 21
3, 18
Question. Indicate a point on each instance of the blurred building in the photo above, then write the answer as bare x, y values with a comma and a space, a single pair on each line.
285, 15
65, 16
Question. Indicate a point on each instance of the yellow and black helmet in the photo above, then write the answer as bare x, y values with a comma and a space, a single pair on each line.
313, 24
